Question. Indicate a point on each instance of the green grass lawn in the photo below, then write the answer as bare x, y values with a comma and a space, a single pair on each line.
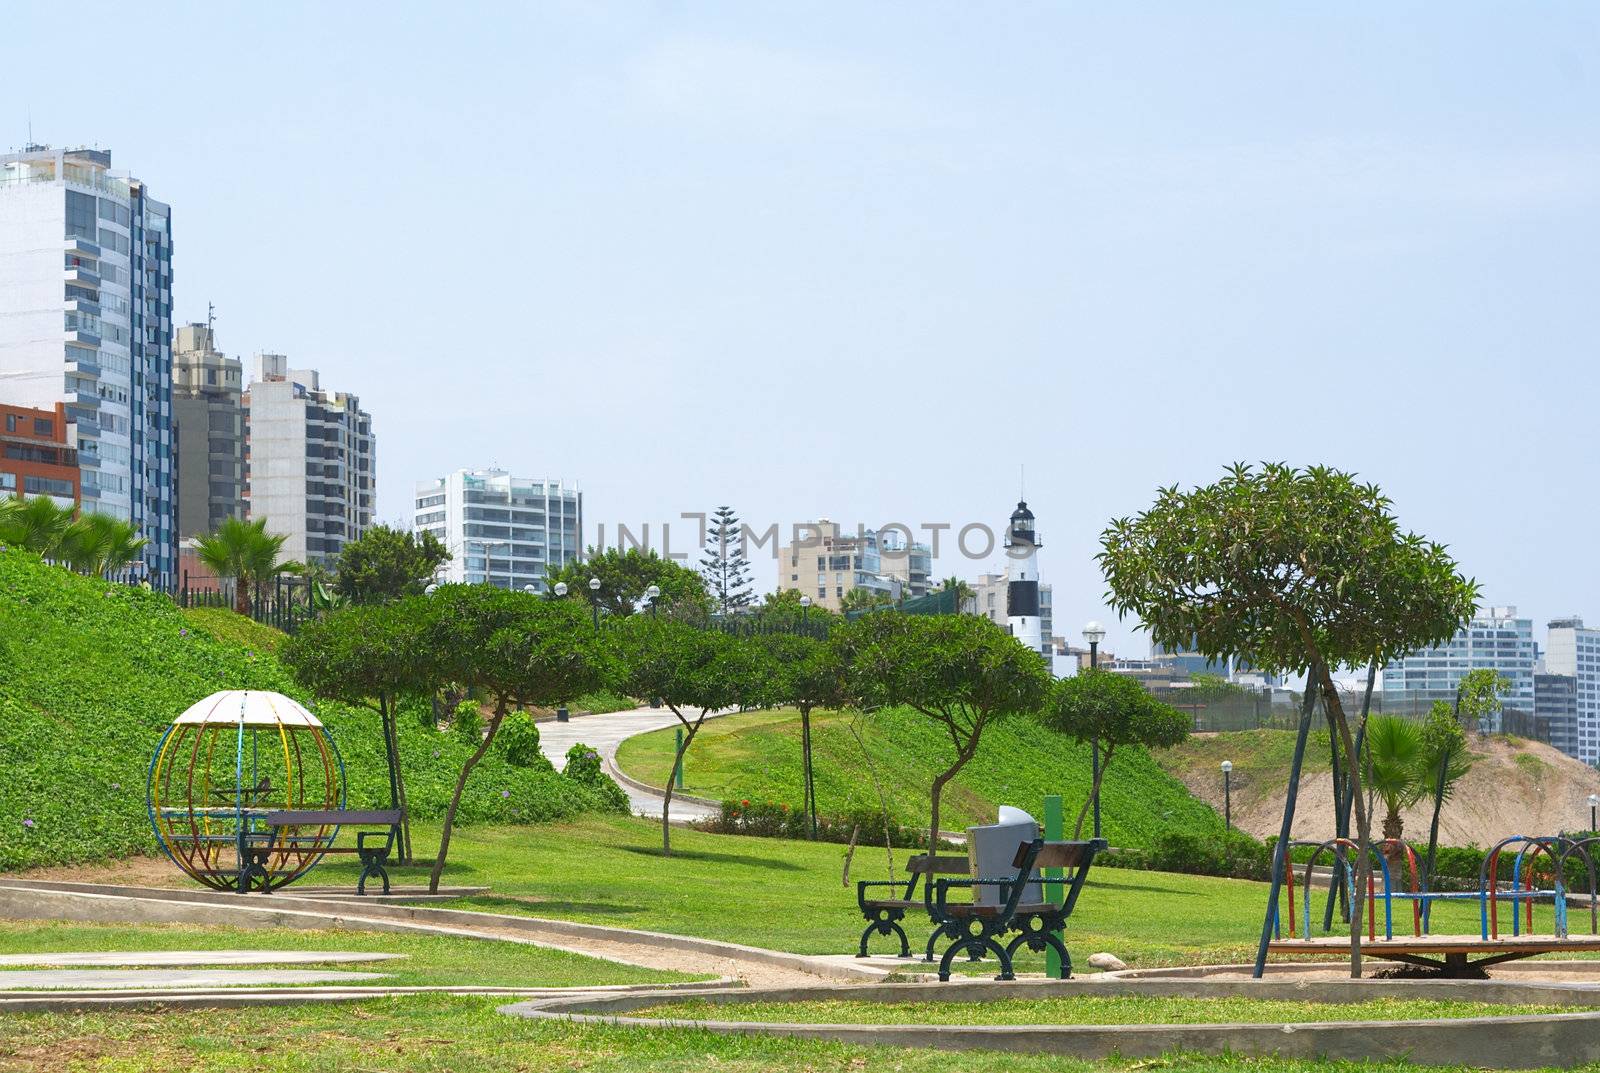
437, 1033
756, 755
230, 626
430, 959
1087, 1010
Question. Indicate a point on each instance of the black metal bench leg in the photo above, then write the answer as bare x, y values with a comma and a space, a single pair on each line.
372, 868
950, 955
884, 924
986, 941
933, 940
1040, 941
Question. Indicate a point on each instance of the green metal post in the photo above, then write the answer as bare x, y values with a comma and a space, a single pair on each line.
677, 765
1054, 826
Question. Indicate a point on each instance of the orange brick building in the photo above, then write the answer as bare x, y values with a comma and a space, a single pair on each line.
38, 453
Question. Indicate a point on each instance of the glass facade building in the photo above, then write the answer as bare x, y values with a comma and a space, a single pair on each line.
503, 530
1498, 641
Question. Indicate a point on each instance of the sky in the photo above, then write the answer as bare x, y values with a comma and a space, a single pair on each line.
868, 261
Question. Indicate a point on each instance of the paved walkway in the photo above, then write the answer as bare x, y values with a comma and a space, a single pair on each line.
604, 733
84, 979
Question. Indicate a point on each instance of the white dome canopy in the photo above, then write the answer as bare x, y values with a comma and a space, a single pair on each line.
249, 707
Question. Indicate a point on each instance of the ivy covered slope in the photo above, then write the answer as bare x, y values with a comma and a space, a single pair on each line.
756, 756
91, 674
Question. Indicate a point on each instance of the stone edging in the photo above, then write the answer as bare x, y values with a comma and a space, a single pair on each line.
1513, 1042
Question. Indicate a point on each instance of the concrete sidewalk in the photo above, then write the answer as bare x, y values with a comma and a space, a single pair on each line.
603, 733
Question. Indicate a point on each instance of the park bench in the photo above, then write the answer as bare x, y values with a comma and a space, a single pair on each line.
885, 914
373, 857
975, 927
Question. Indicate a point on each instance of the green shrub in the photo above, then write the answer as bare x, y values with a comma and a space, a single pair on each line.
584, 768
467, 723
602, 701
519, 741
1234, 854
91, 676
771, 819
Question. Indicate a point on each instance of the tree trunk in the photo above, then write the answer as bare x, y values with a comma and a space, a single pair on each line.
241, 595
397, 778
677, 766
455, 797
1330, 697
808, 803
1393, 831
1094, 791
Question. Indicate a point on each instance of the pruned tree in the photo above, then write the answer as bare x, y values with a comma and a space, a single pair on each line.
371, 656
626, 575
1305, 569
805, 673
513, 648
962, 672
723, 565
1104, 710
385, 563
692, 671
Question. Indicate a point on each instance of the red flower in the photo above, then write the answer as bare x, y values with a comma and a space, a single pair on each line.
784, 807
746, 804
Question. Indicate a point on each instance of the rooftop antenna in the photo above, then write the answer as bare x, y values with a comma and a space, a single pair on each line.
211, 318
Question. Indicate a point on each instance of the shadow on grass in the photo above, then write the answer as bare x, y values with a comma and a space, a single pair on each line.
491, 902
1143, 888
721, 858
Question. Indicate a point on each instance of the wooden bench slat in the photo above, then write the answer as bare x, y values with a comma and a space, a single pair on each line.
1053, 855
328, 817
942, 865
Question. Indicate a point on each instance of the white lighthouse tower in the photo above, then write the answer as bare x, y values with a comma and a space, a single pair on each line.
1022, 594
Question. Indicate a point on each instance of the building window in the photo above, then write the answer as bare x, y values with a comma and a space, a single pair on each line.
80, 215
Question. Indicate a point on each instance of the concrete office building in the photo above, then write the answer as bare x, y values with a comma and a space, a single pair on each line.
208, 414
825, 562
1573, 649
1555, 704
85, 321
1499, 641
502, 529
310, 460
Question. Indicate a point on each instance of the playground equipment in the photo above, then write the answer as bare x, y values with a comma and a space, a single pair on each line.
220, 770
1456, 953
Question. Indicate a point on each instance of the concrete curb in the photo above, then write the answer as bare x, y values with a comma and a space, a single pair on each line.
1513, 1042
87, 901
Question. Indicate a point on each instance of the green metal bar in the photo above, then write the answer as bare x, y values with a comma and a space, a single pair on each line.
1054, 827
677, 762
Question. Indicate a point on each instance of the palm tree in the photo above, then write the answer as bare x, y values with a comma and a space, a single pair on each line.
1396, 771
962, 589
862, 598
248, 554
36, 524
98, 544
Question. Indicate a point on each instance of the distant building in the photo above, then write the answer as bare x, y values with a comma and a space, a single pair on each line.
1555, 698
826, 563
1498, 641
503, 530
991, 593
1187, 662
910, 564
38, 454
208, 415
85, 321
1574, 650
310, 465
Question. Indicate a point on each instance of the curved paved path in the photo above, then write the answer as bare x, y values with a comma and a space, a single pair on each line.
604, 733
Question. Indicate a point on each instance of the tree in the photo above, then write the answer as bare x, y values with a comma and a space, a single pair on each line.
385, 563
782, 610
513, 648
1306, 570
1478, 697
862, 598
694, 672
961, 671
624, 577
98, 544
805, 673
724, 566
962, 590
1395, 769
35, 524
368, 656
247, 553
1103, 710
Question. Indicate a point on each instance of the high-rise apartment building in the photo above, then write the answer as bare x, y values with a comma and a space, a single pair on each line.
37, 454
310, 460
1498, 641
1573, 649
1555, 706
85, 321
909, 563
825, 562
208, 414
504, 530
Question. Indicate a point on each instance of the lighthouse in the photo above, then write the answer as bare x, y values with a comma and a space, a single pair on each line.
1022, 594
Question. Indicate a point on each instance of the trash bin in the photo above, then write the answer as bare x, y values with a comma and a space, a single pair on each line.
992, 851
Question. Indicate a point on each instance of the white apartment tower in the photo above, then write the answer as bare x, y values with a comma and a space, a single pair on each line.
1573, 649
310, 461
503, 530
1498, 641
85, 320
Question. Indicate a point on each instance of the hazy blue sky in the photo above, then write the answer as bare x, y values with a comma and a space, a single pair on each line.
863, 260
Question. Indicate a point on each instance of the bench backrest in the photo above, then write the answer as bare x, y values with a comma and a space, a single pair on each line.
331, 817
1055, 854
940, 865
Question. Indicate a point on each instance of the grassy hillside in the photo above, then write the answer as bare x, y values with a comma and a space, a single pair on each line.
91, 674
757, 755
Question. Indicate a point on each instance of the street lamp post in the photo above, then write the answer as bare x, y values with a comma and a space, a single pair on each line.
488, 561
1094, 633
805, 614
560, 589
594, 601
805, 735
1594, 803
654, 594
1227, 795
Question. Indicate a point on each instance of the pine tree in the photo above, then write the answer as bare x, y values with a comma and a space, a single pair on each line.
726, 570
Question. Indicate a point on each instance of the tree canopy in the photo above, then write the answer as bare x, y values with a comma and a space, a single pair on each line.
385, 563
247, 553
624, 577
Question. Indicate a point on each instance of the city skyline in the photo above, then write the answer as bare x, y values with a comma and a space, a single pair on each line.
1376, 264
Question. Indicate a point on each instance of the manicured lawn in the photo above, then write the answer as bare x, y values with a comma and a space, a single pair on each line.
430, 959
434, 1034
756, 755
1114, 1010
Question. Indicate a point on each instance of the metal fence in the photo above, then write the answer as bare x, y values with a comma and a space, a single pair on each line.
283, 605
